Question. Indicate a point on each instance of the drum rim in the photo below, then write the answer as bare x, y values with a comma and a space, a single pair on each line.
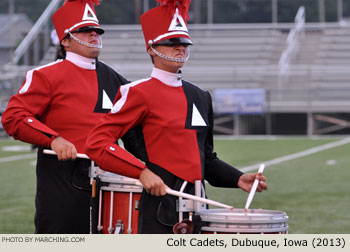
238, 210
113, 177
280, 220
246, 230
121, 189
118, 183
271, 216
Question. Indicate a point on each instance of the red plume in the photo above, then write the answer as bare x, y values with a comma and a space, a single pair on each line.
182, 5
91, 2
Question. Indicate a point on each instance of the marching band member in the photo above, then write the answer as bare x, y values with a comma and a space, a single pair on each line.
175, 118
56, 107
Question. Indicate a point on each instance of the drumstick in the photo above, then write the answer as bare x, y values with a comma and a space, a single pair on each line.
255, 185
93, 193
192, 197
168, 190
196, 198
79, 155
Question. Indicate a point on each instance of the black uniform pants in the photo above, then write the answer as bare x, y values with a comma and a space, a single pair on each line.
63, 196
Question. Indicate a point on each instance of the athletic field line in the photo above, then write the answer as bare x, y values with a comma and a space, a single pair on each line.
244, 169
17, 157
297, 155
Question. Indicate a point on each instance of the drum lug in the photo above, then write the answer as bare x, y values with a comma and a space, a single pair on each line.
99, 229
110, 230
119, 227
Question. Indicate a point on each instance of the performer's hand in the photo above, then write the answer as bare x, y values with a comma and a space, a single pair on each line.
152, 183
65, 150
246, 181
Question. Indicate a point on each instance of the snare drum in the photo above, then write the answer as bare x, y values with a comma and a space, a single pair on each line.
251, 221
118, 204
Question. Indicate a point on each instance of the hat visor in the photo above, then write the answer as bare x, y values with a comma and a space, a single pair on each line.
98, 29
175, 41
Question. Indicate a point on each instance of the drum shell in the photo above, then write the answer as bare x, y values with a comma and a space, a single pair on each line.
123, 189
252, 221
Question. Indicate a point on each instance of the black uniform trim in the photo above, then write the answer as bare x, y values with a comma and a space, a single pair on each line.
215, 171
105, 76
198, 97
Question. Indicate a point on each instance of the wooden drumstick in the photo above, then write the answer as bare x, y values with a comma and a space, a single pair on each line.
168, 190
192, 197
79, 155
253, 189
93, 192
196, 198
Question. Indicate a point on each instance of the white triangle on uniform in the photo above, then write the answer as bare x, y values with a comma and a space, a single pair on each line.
106, 102
89, 14
178, 23
197, 119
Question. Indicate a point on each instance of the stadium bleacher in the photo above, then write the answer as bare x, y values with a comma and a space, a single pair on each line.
213, 48
246, 56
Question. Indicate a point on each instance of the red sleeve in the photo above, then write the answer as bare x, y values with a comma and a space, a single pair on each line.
127, 112
21, 119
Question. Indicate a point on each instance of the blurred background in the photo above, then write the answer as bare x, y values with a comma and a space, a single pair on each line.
290, 57
277, 70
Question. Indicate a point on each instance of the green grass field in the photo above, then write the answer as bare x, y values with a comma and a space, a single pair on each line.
313, 190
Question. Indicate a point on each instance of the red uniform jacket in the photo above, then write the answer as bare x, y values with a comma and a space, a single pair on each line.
176, 118
64, 98
49, 103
